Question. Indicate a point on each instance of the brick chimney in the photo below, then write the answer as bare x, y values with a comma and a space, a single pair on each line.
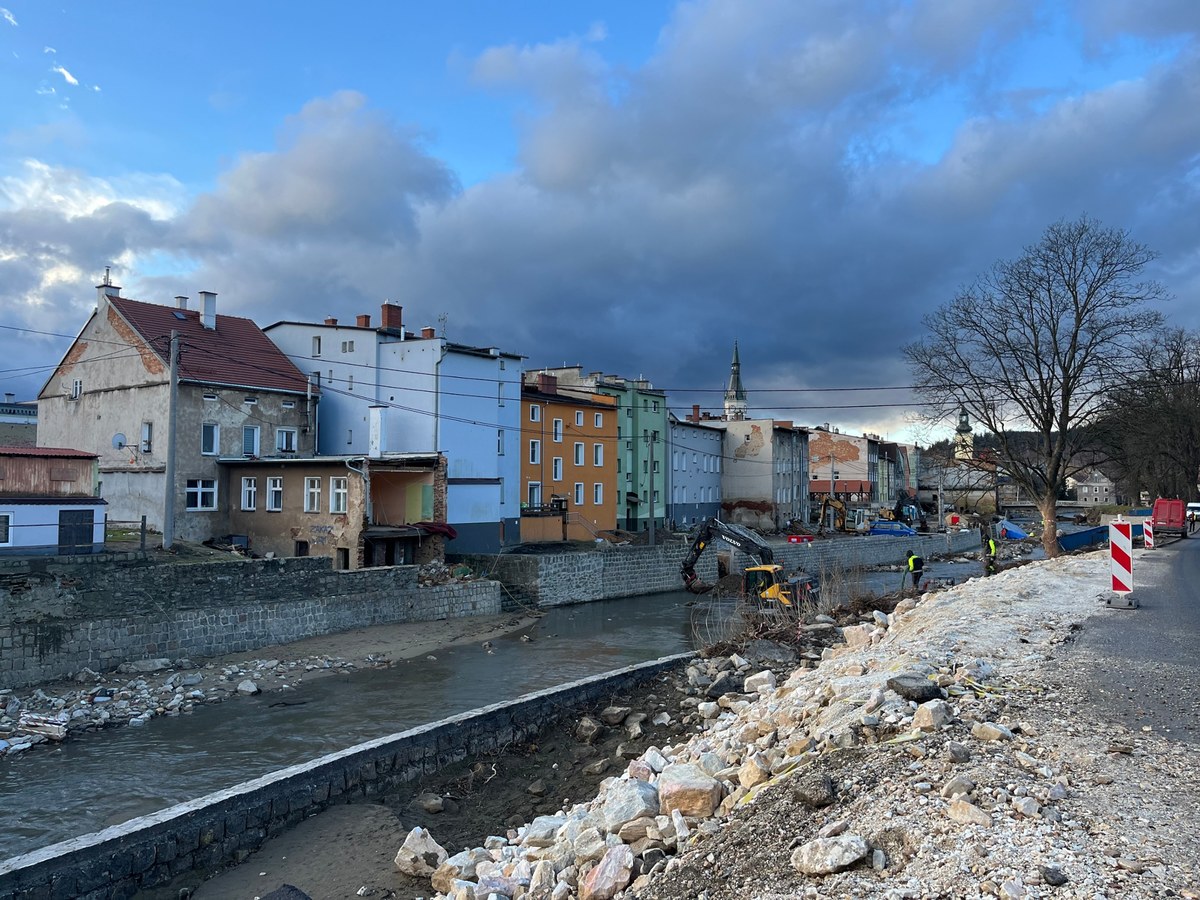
428, 333
391, 317
208, 309
695, 416
330, 320
547, 384
363, 320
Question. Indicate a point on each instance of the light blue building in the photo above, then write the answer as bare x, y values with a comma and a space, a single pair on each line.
693, 472
386, 390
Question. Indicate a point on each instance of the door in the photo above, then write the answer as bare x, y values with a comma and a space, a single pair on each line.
75, 531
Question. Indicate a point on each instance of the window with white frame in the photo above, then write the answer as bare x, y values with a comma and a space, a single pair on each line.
275, 494
579, 418
535, 452
557, 431
535, 493
556, 469
249, 493
147, 436
597, 454
6, 529
579, 493
288, 404
598, 421
312, 495
579, 453
76, 389
210, 439
535, 413
250, 435
201, 494
347, 346
316, 345
338, 494
499, 441
285, 440
350, 381
598, 493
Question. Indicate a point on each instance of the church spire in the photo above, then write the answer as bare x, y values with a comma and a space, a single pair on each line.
735, 394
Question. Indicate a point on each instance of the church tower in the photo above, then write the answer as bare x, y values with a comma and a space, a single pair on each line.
964, 439
735, 394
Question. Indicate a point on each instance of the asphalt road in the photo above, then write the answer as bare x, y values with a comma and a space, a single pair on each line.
1142, 666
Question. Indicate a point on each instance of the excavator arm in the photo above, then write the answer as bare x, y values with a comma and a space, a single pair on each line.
736, 536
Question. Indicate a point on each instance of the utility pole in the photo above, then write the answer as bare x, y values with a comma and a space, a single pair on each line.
172, 401
653, 438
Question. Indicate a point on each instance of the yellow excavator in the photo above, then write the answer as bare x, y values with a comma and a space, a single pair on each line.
764, 580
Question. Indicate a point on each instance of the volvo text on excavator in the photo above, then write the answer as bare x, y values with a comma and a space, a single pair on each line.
764, 580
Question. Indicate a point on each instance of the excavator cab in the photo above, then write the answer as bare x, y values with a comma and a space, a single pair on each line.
767, 584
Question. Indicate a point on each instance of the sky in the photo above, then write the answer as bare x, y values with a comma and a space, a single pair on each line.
626, 186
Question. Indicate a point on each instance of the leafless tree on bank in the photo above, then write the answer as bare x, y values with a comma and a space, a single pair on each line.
1035, 345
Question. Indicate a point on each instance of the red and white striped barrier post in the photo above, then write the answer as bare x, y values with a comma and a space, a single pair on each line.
1120, 551
1148, 533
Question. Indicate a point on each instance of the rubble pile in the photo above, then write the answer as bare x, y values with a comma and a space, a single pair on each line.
922, 758
440, 572
159, 687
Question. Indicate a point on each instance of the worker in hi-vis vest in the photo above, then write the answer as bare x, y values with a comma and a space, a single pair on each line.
916, 566
990, 564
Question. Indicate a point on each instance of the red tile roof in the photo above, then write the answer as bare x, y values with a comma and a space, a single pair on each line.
46, 451
236, 353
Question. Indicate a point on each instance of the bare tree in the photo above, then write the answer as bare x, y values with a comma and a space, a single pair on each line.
1152, 425
1032, 348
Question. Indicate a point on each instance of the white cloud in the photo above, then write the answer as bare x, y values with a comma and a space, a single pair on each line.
67, 76
49, 50
8, 17
596, 33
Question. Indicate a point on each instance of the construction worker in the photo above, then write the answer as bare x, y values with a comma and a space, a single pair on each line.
990, 562
916, 566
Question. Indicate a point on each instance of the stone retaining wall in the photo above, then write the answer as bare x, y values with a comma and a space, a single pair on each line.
225, 827
60, 616
555, 579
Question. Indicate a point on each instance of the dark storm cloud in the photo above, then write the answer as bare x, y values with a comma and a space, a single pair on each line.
767, 176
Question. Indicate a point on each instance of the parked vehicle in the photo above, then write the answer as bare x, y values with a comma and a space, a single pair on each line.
883, 526
1169, 517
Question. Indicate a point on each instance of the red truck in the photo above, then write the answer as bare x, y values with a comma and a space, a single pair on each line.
1169, 517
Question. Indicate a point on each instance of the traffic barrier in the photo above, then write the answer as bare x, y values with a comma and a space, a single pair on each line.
1148, 534
1120, 551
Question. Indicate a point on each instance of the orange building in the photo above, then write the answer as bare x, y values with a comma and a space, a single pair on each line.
569, 463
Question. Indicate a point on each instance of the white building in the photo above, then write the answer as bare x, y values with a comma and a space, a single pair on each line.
386, 390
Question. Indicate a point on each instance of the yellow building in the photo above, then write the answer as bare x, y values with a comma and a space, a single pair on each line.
569, 461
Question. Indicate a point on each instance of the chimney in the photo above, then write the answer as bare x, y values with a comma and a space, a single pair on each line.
363, 320
695, 416
181, 301
547, 384
9, 397
330, 320
391, 317
106, 288
428, 332
208, 310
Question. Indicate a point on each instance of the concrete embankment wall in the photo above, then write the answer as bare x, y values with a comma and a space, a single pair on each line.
58, 616
556, 579
225, 827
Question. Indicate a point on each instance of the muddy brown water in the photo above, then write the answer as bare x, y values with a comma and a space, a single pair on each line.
115, 775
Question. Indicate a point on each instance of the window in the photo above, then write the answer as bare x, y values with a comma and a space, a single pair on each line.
201, 493
76, 389
579, 453
210, 439
579, 493
656, 462
338, 494
598, 493
285, 440
210, 397
249, 440
249, 493
347, 346
535, 493
597, 454
557, 431
598, 421
5, 529
147, 436
655, 406
343, 558
535, 452
578, 418
350, 382
500, 394
288, 404
499, 441
556, 468
656, 496
349, 435
312, 495
535, 413
275, 494
250, 401
316, 351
